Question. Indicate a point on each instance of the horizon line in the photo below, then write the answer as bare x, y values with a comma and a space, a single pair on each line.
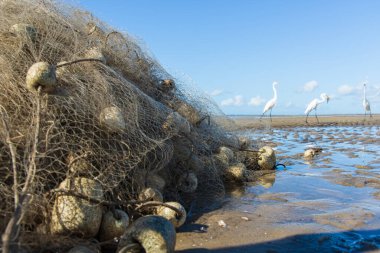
298, 115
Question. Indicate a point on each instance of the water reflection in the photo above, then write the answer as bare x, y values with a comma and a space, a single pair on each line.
263, 178
236, 191
267, 180
345, 172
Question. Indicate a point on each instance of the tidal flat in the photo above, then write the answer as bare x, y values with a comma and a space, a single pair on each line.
327, 203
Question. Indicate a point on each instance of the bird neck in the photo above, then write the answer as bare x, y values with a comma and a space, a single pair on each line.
275, 92
320, 101
364, 93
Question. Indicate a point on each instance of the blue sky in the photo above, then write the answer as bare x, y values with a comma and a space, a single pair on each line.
234, 49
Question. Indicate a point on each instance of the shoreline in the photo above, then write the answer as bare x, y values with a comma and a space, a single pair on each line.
247, 122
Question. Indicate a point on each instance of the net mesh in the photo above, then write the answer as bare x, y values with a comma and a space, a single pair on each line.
69, 128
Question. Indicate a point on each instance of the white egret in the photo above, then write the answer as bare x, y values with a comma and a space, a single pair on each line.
366, 104
271, 103
314, 104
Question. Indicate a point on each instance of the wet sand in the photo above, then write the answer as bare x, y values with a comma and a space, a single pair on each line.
300, 217
245, 122
271, 229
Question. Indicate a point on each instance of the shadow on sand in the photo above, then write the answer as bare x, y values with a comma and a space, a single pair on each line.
347, 241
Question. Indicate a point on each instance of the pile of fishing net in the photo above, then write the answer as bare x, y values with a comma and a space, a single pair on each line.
93, 132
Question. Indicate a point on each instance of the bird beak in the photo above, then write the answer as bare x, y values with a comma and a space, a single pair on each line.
328, 99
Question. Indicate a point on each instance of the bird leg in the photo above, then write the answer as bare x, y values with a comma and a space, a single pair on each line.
307, 115
270, 115
316, 115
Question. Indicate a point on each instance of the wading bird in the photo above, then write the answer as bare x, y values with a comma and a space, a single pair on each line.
314, 104
366, 104
271, 103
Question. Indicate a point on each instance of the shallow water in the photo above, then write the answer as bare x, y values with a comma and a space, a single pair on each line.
328, 204
335, 192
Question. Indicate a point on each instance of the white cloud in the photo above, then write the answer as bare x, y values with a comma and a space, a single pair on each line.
256, 101
235, 101
373, 94
345, 89
216, 92
310, 86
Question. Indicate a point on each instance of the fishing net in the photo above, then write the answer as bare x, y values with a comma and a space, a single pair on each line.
115, 116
